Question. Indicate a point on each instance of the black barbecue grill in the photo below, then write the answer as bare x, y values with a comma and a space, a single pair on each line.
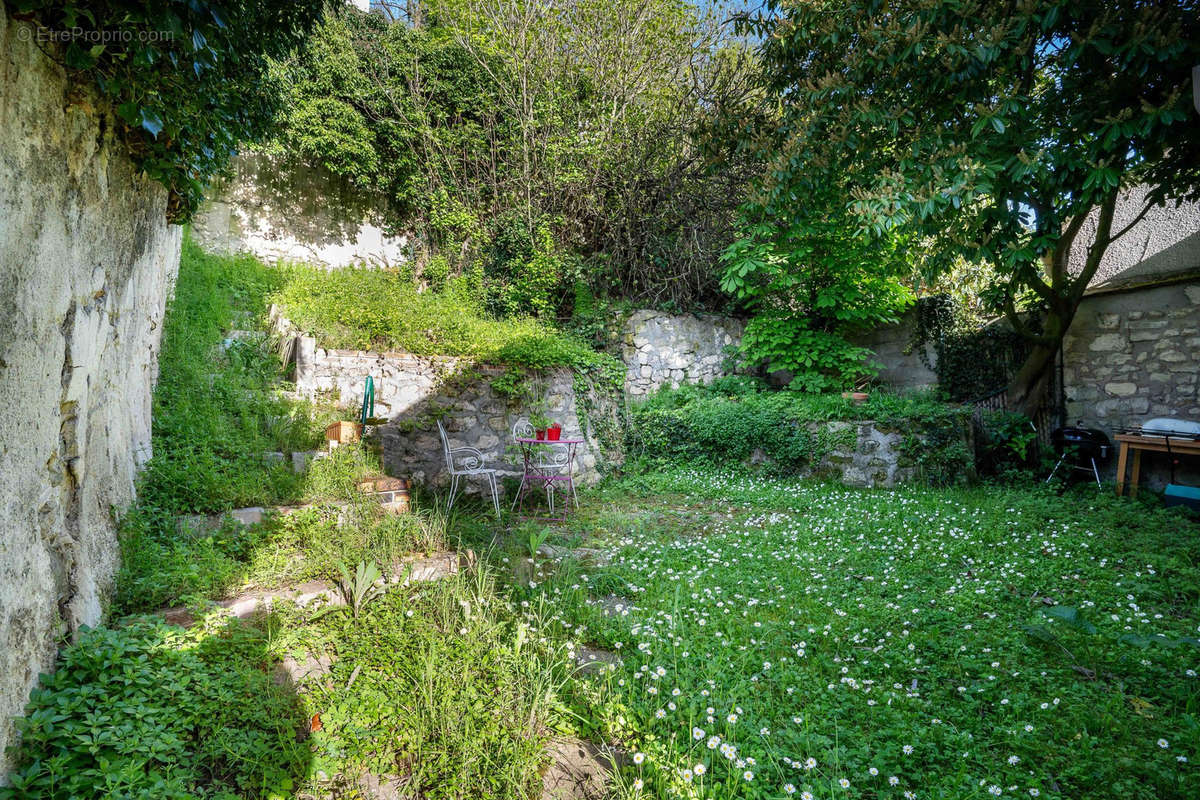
1085, 448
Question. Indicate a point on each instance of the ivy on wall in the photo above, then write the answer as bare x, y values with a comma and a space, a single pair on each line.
187, 80
973, 360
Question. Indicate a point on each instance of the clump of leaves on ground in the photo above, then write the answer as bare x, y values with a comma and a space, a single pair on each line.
151, 710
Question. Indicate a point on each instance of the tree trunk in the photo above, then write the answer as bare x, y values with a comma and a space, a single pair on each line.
1027, 391
1061, 296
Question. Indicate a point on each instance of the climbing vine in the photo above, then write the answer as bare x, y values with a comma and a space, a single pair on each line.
187, 81
973, 359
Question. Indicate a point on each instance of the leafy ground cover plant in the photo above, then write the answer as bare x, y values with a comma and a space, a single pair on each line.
736, 420
801, 639
149, 710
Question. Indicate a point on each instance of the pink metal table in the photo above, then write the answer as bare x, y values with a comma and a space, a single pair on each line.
548, 465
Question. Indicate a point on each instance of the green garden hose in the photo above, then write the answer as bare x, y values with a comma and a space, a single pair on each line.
368, 406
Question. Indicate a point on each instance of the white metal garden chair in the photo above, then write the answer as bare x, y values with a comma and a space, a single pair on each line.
466, 462
549, 465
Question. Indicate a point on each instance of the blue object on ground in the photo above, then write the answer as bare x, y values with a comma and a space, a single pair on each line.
1177, 495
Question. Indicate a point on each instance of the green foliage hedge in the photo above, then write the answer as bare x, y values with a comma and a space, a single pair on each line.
735, 420
153, 712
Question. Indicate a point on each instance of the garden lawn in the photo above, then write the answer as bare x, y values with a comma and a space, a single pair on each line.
803, 639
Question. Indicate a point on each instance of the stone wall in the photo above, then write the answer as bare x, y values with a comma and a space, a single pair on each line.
476, 416
900, 369
1133, 356
282, 210
413, 392
666, 349
86, 261
868, 456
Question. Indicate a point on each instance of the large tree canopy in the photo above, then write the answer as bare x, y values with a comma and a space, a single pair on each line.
526, 136
992, 128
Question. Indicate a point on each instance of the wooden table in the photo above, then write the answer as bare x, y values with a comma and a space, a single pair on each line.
1153, 444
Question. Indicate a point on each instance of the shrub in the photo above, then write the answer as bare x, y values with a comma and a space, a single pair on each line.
735, 420
188, 81
154, 711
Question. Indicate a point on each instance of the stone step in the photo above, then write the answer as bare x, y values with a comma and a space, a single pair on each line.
414, 569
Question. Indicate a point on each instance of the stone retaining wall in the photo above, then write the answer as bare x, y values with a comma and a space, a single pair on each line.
666, 349
86, 263
413, 392
279, 209
476, 416
872, 460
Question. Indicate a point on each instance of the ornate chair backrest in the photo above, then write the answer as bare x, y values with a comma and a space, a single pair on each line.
522, 429
552, 456
446, 447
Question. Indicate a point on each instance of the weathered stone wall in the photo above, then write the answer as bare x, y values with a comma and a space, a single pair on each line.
666, 349
282, 210
414, 391
476, 416
1133, 356
86, 261
900, 368
868, 457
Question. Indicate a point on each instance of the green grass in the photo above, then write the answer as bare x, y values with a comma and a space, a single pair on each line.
372, 309
217, 405
443, 684
177, 565
945, 643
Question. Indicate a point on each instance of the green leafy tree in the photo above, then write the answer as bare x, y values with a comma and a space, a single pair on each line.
187, 80
997, 128
590, 120
812, 281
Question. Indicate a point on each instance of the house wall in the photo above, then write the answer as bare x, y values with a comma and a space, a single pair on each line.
1132, 356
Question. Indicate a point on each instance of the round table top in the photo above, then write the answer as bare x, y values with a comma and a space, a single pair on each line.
524, 440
